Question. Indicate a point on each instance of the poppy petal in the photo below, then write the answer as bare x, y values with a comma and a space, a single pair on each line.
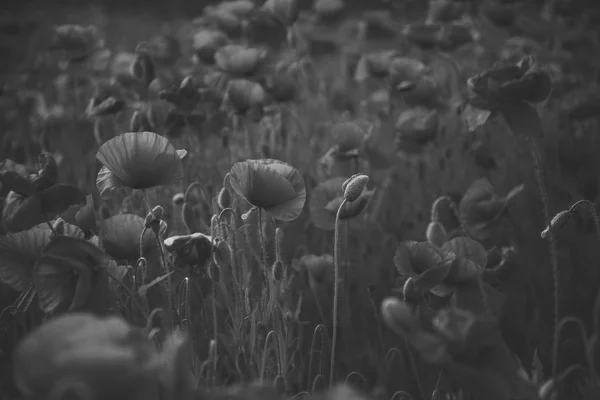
18, 253
320, 197
121, 237
141, 160
272, 185
107, 182
64, 273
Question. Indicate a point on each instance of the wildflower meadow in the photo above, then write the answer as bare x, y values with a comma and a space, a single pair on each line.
298, 199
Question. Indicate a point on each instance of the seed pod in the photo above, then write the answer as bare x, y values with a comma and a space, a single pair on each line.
354, 186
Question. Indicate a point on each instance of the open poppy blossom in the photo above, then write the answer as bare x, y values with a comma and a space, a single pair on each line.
348, 138
207, 42
244, 95
239, 60
506, 83
67, 272
418, 125
138, 160
78, 42
285, 11
376, 65
272, 185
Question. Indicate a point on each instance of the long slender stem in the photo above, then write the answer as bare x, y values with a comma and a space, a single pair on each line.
336, 266
553, 254
263, 247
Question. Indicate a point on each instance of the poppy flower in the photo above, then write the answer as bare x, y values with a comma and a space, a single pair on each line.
521, 82
348, 138
481, 210
376, 64
67, 273
240, 8
453, 36
427, 264
78, 42
319, 268
138, 160
320, 196
418, 125
271, 185
328, 8
403, 69
445, 10
108, 356
244, 95
239, 60
286, 11
207, 42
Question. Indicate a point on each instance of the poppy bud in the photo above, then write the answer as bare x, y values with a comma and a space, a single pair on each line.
224, 198
436, 233
354, 186
280, 385
143, 69
178, 199
141, 263
157, 212
397, 316
222, 253
277, 270
559, 222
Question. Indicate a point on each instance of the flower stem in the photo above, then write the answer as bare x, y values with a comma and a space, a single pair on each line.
553, 253
263, 247
166, 284
336, 264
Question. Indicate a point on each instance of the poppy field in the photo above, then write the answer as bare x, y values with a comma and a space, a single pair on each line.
289, 199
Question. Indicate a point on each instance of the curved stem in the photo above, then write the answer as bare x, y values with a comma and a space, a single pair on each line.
336, 263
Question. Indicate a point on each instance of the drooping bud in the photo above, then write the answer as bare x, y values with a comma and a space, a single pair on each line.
436, 233
354, 186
